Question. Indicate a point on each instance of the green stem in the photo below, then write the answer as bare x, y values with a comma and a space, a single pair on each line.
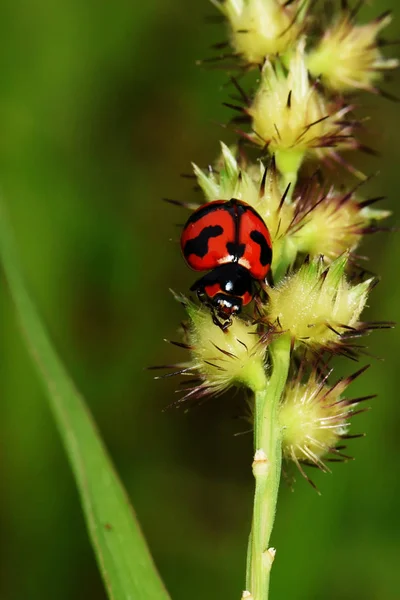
266, 469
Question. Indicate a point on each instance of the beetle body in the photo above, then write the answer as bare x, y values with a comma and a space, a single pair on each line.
231, 241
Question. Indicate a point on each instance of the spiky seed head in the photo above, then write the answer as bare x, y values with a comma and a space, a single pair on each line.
259, 28
292, 118
329, 223
316, 304
229, 180
252, 183
348, 55
314, 417
224, 358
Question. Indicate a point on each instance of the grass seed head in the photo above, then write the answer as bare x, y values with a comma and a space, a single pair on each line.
317, 305
259, 28
293, 119
348, 56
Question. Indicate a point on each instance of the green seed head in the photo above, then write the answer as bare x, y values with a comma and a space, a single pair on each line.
317, 304
348, 55
315, 417
225, 358
293, 118
311, 427
330, 223
259, 28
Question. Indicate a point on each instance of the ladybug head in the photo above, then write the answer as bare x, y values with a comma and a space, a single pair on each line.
225, 305
225, 289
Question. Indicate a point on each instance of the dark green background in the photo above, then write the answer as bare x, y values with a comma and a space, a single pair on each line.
101, 108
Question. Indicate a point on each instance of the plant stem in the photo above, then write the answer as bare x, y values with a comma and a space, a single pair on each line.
266, 469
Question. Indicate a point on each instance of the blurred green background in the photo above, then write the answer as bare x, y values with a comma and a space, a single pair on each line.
101, 108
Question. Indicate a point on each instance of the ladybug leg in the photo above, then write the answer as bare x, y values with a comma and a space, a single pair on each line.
198, 287
262, 292
226, 325
216, 321
264, 286
269, 281
223, 325
202, 296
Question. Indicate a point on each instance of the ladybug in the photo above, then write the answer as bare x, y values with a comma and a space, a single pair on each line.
229, 239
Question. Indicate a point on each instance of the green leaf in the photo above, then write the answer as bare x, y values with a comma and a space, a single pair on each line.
123, 557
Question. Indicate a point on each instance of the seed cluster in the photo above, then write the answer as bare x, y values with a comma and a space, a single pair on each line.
298, 123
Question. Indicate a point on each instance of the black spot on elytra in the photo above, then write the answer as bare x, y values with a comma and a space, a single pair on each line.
205, 210
235, 250
199, 244
265, 250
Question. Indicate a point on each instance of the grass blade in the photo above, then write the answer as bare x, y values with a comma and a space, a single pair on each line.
124, 560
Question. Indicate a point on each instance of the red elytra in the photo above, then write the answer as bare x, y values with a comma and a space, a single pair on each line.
229, 239
222, 232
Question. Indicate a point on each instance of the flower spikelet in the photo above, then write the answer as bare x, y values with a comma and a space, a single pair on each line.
348, 56
218, 359
259, 28
317, 305
253, 183
230, 180
330, 222
292, 118
315, 418
224, 358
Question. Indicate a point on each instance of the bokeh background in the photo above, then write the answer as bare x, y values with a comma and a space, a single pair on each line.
101, 108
